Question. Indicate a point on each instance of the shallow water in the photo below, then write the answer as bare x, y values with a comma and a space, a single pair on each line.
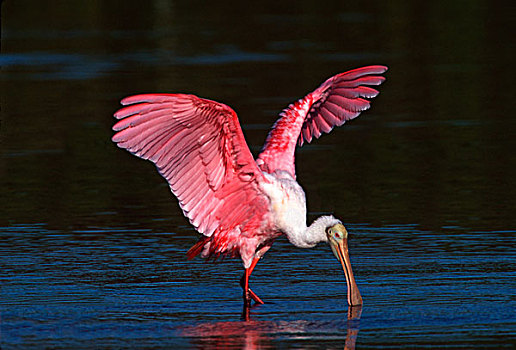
93, 245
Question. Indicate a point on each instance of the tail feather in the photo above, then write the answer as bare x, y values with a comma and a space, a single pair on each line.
197, 247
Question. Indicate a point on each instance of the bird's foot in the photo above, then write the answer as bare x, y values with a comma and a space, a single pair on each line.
246, 313
253, 296
250, 295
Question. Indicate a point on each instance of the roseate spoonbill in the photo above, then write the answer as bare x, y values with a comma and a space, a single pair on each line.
241, 205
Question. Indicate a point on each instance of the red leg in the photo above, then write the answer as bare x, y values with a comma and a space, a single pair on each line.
244, 282
253, 264
245, 288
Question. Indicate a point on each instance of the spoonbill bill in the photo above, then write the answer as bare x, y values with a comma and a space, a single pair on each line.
241, 205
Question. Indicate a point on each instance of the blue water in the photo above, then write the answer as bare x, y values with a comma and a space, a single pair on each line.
115, 287
92, 244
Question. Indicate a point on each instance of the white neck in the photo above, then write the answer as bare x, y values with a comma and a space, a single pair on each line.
315, 233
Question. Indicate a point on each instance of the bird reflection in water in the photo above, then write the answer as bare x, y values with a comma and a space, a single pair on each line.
249, 334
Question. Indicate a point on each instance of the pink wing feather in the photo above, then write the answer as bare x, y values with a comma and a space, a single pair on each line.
337, 100
199, 148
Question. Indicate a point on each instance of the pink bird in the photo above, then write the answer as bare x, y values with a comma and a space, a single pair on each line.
241, 205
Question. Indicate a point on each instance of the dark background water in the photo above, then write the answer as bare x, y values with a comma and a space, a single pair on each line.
92, 244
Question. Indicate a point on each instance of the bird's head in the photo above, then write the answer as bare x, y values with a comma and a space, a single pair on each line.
338, 240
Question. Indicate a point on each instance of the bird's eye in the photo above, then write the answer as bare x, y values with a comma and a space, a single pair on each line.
337, 235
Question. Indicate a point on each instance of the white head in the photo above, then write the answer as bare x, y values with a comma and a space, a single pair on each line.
338, 240
329, 229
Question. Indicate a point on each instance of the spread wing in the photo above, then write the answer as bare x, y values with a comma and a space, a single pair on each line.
337, 100
199, 148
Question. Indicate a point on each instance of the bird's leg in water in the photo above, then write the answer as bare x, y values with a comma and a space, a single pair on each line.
244, 283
